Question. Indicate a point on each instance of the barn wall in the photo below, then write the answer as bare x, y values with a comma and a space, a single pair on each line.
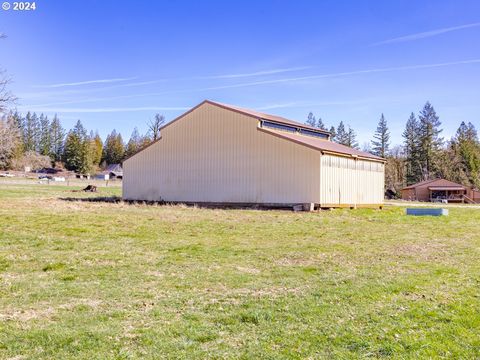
217, 155
349, 181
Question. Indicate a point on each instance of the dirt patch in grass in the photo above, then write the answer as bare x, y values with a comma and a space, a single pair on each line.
423, 251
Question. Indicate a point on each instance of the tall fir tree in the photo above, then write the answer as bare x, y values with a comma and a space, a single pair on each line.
341, 135
320, 124
352, 139
429, 141
411, 146
467, 147
114, 148
78, 154
36, 132
45, 142
134, 144
333, 133
57, 138
311, 121
96, 144
30, 128
381, 139
17, 119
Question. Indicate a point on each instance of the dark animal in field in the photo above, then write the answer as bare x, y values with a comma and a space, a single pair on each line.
89, 188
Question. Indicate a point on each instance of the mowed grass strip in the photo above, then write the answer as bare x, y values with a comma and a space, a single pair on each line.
97, 280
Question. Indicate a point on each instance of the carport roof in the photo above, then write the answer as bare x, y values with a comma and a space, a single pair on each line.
441, 188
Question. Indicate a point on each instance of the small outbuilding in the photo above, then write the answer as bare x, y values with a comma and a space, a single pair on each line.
440, 190
114, 171
111, 172
217, 153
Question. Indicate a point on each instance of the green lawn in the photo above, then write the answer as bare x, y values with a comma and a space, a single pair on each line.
93, 280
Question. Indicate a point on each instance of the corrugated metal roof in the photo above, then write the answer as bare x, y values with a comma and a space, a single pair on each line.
322, 145
264, 116
114, 168
413, 186
331, 146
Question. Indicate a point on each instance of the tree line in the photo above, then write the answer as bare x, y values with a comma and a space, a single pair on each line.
35, 141
423, 155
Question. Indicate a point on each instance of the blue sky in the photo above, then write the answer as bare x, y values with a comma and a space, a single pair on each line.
114, 64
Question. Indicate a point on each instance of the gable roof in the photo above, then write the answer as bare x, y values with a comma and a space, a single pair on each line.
435, 183
326, 146
115, 168
421, 183
318, 144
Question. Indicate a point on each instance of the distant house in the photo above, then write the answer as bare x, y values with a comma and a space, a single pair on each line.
111, 172
115, 171
440, 190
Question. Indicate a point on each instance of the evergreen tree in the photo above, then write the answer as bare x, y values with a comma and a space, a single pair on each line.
78, 154
96, 144
351, 138
17, 119
45, 142
381, 140
429, 141
30, 129
134, 144
451, 167
333, 133
114, 148
320, 124
311, 121
467, 147
36, 132
72, 154
341, 135
411, 138
57, 137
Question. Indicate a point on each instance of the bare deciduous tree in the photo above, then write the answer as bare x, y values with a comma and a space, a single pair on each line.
6, 97
155, 125
9, 140
33, 160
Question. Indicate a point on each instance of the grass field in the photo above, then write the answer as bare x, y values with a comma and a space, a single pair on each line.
92, 280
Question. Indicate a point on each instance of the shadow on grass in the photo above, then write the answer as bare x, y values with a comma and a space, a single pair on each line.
118, 199
101, 199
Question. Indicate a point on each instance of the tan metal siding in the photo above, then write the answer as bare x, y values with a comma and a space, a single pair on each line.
216, 155
351, 181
